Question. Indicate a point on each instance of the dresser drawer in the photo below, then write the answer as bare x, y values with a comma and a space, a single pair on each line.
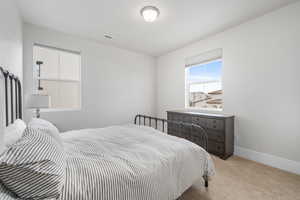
215, 124
175, 132
171, 116
219, 129
195, 138
200, 121
215, 135
180, 118
215, 147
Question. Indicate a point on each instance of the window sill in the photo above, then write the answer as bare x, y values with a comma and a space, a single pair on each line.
60, 110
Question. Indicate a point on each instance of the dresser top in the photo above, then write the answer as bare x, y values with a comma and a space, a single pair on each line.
190, 112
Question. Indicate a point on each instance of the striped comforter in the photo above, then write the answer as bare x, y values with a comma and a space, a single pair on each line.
130, 163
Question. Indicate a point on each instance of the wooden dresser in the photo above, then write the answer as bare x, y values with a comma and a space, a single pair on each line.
219, 128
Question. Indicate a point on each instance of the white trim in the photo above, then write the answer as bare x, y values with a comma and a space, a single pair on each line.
58, 80
206, 62
207, 110
56, 48
46, 110
268, 159
205, 57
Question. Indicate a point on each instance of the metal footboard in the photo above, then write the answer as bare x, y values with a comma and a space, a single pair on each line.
191, 131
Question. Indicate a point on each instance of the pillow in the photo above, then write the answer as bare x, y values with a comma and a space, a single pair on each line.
45, 126
5, 194
33, 167
14, 132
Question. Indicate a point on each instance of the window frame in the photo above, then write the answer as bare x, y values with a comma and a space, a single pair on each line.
187, 93
36, 78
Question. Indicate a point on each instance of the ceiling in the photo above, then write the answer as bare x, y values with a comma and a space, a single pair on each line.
180, 22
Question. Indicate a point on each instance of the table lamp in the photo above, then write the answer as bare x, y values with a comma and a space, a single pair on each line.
38, 101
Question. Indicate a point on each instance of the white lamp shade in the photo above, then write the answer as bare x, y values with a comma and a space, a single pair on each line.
38, 101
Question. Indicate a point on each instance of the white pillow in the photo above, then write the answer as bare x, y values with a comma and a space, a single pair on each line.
34, 166
37, 123
14, 132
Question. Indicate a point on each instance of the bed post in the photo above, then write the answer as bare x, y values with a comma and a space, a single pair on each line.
11, 78
135, 119
5, 74
206, 181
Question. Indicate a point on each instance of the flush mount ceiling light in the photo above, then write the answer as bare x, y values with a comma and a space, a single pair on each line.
150, 13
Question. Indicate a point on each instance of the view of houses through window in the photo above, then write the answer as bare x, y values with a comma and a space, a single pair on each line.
204, 85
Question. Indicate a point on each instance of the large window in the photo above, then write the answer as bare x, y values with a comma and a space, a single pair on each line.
58, 76
204, 84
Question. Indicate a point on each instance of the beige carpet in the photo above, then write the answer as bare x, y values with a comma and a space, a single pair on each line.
241, 179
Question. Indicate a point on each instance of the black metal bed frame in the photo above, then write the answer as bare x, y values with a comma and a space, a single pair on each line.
13, 93
164, 125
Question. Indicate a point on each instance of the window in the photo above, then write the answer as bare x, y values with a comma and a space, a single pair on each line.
58, 76
204, 82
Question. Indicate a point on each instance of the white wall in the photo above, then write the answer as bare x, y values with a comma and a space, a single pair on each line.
260, 80
117, 84
10, 46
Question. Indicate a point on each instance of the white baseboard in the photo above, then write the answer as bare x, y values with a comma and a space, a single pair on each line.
267, 159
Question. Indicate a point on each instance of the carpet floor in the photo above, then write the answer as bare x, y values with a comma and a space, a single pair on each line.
241, 179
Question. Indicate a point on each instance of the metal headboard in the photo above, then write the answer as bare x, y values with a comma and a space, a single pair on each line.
13, 97
192, 130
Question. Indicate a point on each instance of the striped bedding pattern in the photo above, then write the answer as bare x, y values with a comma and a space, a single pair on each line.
130, 163
33, 167
5, 194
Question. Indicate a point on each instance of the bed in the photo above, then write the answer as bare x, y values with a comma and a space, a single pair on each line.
129, 162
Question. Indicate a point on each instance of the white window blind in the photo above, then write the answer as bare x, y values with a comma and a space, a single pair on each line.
59, 76
204, 57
